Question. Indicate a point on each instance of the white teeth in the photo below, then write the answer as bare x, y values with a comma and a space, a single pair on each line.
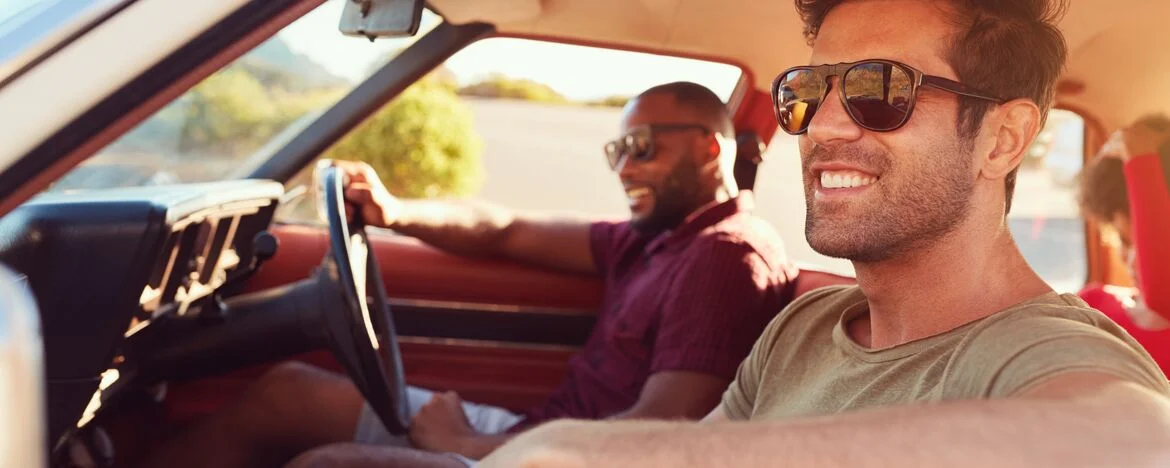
638, 192
845, 179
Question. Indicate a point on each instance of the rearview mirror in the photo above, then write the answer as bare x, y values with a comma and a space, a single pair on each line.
381, 18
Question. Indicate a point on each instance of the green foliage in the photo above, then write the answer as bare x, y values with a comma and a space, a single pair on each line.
503, 87
232, 112
423, 143
611, 101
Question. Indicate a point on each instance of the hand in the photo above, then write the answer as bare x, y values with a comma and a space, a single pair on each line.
441, 425
1138, 139
365, 191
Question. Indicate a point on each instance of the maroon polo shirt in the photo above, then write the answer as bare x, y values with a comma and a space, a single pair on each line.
692, 299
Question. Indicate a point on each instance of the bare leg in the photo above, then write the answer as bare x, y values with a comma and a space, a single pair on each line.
293, 408
372, 456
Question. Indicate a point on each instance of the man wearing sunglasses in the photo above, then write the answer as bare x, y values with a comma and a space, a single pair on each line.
691, 279
913, 118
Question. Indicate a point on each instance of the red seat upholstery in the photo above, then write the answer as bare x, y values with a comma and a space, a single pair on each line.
810, 279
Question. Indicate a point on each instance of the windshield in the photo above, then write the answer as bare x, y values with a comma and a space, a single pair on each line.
29, 27
235, 119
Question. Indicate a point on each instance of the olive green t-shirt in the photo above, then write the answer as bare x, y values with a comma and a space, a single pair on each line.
805, 364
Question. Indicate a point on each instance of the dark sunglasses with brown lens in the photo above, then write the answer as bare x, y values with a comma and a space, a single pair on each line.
877, 94
638, 143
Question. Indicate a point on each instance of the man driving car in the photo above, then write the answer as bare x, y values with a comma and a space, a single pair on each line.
691, 279
913, 117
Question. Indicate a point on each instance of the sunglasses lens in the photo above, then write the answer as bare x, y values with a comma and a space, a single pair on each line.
798, 95
638, 146
635, 146
878, 95
613, 154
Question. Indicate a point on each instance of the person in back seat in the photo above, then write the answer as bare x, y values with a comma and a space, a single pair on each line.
1125, 190
691, 279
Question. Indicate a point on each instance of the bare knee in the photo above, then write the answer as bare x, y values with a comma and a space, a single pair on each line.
297, 402
288, 386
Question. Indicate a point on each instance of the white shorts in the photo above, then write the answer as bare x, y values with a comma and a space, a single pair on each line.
485, 419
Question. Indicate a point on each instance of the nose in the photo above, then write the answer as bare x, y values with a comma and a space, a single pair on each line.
831, 125
626, 167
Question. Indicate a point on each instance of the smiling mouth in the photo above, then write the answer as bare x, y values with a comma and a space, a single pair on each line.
637, 192
838, 180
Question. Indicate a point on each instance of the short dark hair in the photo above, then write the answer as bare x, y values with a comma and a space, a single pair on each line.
701, 99
1101, 193
1009, 48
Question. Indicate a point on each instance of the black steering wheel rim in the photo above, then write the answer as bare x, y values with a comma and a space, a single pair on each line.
362, 336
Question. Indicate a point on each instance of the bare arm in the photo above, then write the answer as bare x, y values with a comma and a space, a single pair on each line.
1073, 420
663, 398
480, 229
472, 228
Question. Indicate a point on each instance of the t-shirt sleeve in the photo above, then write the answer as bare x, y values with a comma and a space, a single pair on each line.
716, 307
605, 238
1014, 356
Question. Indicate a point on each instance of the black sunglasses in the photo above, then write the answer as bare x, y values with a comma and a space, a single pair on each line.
638, 143
879, 95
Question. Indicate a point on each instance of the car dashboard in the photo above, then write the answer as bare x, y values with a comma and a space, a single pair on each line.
104, 264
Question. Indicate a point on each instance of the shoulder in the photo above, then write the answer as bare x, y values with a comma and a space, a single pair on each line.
1051, 316
1023, 345
746, 232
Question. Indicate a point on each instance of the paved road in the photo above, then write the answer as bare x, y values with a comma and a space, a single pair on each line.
549, 158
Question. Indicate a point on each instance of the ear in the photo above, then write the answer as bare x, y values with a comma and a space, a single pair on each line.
709, 149
1015, 125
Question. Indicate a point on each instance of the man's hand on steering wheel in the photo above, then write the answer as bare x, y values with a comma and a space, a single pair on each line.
365, 191
361, 330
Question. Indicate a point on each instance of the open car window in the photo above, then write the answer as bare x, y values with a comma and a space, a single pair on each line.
496, 122
235, 118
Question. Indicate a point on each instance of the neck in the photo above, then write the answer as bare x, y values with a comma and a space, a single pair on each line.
964, 276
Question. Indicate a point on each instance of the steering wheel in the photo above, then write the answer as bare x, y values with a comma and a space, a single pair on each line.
361, 335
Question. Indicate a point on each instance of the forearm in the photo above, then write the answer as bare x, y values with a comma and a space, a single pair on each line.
1032, 432
461, 227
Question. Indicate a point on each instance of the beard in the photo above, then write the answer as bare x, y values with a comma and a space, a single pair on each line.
917, 200
675, 197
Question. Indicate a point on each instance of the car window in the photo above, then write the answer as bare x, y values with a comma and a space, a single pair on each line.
232, 119
513, 121
1044, 219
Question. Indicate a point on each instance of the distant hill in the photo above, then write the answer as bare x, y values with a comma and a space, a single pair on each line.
276, 65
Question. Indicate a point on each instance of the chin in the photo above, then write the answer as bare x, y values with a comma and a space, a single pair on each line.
846, 243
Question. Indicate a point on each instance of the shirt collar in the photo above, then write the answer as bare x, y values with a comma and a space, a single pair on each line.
702, 218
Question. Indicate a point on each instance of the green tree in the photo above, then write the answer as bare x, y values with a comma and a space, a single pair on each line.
504, 87
423, 143
233, 112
